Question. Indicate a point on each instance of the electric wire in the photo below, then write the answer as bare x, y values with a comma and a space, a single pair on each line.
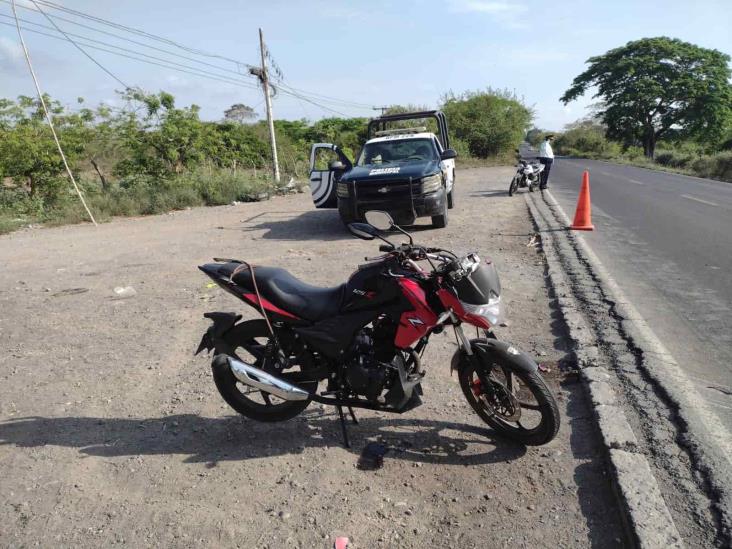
195, 72
48, 116
326, 98
82, 50
116, 47
120, 37
140, 32
286, 89
313, 95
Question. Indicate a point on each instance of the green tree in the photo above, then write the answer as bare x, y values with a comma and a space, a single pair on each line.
240, 113
490, 122
102, 143
164, 140
653, 87
28, 153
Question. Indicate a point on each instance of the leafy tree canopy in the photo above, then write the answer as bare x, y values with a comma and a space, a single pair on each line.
240, 113
489, 122
656, 86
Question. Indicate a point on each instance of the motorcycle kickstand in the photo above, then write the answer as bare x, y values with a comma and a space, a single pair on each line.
353, 416
344, 429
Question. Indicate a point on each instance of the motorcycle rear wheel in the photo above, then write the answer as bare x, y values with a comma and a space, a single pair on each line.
516, 396
249, 342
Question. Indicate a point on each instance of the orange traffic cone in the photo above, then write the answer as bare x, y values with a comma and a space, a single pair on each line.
583, 215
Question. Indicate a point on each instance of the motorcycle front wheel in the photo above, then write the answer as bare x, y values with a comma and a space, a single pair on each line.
514, 185
516, 403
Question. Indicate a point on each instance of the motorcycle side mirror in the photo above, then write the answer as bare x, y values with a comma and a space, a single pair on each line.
380, 220
364, 231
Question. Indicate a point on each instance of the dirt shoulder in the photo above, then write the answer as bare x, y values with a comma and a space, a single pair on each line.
111, 432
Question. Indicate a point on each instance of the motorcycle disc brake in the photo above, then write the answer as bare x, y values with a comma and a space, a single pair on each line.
501, 402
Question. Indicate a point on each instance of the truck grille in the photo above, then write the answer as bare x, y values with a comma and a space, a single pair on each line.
387, 190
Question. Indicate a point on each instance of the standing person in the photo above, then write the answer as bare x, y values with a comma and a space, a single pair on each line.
546, 157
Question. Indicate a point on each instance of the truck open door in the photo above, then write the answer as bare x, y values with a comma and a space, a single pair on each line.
323, 177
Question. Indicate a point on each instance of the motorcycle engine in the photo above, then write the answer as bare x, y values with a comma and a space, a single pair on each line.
366, 375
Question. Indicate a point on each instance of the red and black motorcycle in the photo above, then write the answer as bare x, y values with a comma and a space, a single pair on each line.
358, 345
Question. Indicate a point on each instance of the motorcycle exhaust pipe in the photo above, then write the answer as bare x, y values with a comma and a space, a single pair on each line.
259, 379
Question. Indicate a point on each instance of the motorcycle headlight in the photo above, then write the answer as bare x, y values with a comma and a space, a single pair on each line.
342, 190
490, 311
431, 183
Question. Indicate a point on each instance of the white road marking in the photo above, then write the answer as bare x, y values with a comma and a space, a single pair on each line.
636, 181
699, 200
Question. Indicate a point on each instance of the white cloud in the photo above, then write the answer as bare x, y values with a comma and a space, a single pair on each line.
506, 12
11, 56
487, 6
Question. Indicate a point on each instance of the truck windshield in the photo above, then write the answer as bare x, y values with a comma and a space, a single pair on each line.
397, 151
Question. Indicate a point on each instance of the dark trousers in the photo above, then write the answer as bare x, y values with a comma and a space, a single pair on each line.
547, 162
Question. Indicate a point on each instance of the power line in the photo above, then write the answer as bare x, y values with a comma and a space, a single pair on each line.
140, 32
285, 92
116, 47
326, 98
310, 97
97, 63
120, 37
195, 71
278, 71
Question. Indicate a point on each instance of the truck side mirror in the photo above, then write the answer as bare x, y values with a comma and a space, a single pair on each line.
447, 154
337, 166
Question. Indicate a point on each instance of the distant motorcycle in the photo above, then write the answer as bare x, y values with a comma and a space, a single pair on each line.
528, 175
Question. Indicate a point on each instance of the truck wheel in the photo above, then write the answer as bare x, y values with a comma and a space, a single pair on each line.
451, 199
440, 221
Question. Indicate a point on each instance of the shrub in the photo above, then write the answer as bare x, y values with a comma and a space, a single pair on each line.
586, 138
717, 166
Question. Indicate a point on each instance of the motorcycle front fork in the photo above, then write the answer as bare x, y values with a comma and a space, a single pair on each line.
463, 339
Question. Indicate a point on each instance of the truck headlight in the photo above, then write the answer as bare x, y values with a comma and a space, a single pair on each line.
432, 183
342, 190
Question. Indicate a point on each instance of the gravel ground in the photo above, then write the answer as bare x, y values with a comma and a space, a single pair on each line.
111, 432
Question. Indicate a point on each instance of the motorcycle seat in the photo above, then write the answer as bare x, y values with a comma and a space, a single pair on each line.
287, 292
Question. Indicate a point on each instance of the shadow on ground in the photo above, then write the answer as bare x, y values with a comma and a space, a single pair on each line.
489, 193
210, 440
308, 225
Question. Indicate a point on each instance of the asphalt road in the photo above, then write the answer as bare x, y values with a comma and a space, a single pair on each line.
667, 240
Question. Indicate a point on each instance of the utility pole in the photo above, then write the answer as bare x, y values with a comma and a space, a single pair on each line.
264, 77
382, 109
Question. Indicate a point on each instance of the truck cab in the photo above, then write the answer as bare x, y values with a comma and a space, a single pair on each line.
408, 172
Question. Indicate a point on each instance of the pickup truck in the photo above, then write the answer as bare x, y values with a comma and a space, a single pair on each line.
408, 172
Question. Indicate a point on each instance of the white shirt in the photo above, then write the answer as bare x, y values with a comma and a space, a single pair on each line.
545, 150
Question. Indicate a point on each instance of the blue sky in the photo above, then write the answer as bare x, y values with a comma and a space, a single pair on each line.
376, 52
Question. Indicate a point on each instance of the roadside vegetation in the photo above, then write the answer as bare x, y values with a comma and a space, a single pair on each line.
663, 104
152, 156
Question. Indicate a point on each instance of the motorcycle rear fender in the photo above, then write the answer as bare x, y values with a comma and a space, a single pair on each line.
222, 323
492, 351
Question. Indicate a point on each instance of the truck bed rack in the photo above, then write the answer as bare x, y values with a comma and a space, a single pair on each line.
380, 124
